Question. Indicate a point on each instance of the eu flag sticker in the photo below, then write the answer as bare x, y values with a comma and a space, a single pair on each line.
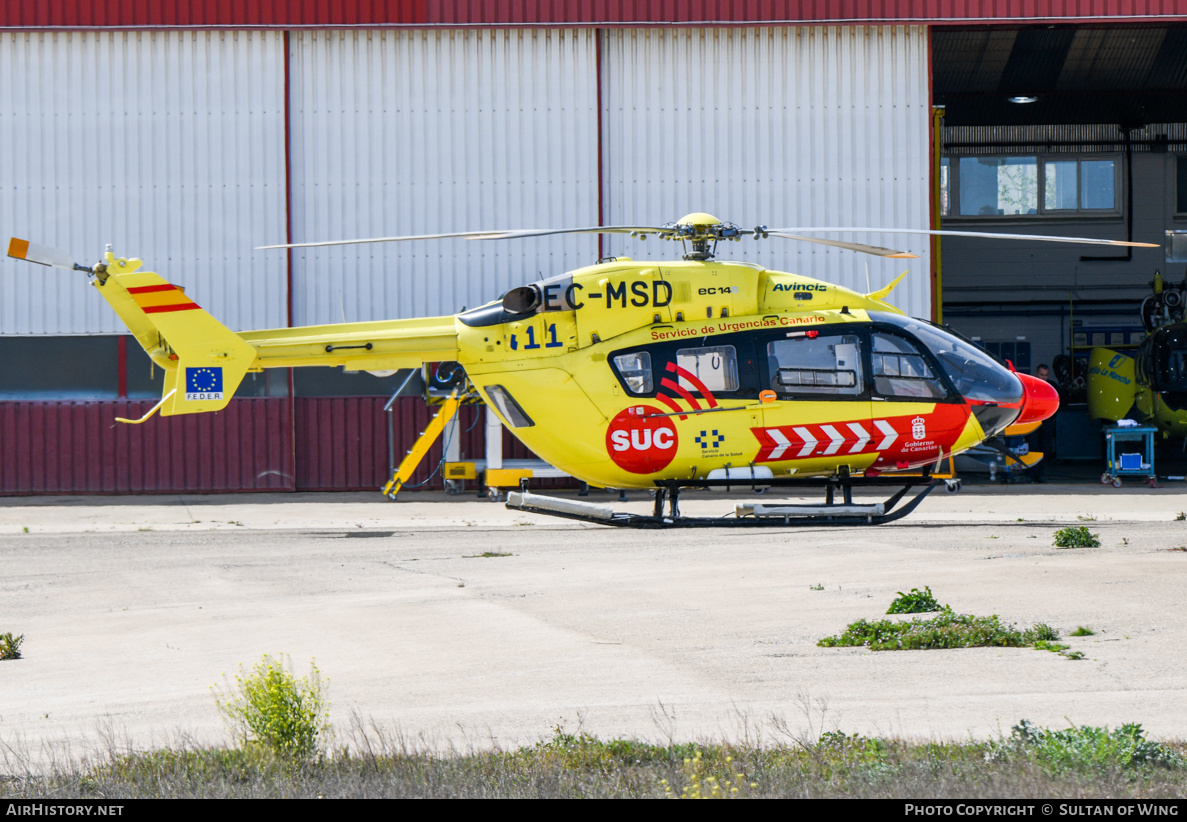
204, 383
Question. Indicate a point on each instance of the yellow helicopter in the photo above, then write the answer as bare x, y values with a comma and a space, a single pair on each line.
1151, 384
669, 375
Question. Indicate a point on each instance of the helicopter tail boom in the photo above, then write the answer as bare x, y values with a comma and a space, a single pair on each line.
204, 361
368, 346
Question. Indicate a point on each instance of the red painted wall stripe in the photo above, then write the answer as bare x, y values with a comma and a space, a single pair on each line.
43, 14
77, 448
332, 444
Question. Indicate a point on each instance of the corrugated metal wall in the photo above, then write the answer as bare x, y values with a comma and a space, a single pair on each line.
169, 145
312, 444
780, 127
341, 443
182, 133
182, 136
76, 447
424, 132
433, 132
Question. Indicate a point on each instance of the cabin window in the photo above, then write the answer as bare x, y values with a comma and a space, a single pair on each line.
900, 370
716, 367
803, 365
508, 408
635, 370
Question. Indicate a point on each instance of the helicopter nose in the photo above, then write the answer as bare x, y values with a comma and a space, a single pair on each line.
1040, 400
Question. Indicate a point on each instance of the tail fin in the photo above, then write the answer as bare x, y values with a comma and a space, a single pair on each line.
204, 361
1112, 385
884, 292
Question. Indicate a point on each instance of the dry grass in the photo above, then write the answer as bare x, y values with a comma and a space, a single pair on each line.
572, 766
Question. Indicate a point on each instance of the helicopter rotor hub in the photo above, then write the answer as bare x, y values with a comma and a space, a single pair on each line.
701, 230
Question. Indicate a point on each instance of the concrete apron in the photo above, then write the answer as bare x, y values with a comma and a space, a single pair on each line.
133, 607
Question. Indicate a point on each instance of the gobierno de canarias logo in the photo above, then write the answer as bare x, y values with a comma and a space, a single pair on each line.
641, 440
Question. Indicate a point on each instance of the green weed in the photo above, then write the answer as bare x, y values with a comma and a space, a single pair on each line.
1083, 631
10, 646
1088, 748
1043, 632
915, 602
1076, 536
1054, 647
271, 707
948, 630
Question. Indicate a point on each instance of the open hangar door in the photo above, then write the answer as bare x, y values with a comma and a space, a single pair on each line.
1060, 130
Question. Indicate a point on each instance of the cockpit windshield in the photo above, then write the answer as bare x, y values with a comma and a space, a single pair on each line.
976, 375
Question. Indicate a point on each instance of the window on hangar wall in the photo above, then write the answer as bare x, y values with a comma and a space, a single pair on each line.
1181, 184
1033, 185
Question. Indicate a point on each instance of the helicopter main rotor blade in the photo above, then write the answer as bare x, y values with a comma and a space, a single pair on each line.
41, 254
507, 234
783, 232
876, 250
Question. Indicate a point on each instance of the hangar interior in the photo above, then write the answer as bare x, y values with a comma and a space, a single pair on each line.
188, 147
1076, 130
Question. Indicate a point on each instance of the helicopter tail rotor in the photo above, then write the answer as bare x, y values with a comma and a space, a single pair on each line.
43, 255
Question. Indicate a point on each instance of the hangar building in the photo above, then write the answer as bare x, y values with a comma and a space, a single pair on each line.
188, 134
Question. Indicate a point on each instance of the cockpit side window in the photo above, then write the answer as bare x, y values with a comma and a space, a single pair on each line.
801, 364
901, 371
635, 370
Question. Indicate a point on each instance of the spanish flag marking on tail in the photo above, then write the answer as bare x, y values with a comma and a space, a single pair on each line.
158, 299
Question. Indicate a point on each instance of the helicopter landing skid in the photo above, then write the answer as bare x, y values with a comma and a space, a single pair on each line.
747, 515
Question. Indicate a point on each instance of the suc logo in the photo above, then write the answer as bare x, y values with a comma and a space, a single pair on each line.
641, 439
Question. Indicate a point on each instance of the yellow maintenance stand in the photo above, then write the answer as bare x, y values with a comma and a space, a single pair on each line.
446, 385
423, 443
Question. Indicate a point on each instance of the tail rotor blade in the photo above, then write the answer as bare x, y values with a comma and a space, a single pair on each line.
41, 254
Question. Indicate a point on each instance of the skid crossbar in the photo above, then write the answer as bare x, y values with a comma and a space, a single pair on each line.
745, 516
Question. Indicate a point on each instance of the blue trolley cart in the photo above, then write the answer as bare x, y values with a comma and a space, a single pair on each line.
1129, 453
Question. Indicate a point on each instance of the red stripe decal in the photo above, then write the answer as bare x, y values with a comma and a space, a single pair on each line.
671, 403
149, 289
158, 309
689, 398
688, 376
